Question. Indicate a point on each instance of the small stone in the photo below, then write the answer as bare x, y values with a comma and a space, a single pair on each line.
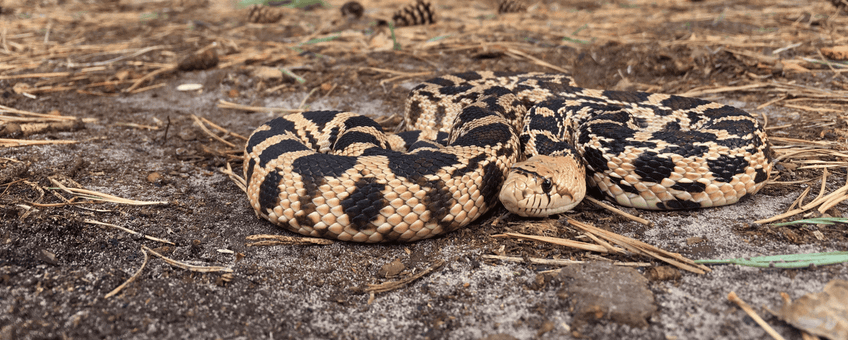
547, 326
695, 240
48, 257
391, 269
154, 177
187, 134
600, 290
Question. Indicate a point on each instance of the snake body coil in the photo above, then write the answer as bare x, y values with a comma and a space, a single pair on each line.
533, 140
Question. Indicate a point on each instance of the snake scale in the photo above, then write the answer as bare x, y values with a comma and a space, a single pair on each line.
531, 140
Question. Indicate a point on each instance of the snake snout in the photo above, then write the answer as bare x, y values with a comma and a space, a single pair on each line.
539, 187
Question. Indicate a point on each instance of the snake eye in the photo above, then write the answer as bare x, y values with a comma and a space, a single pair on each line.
547, 185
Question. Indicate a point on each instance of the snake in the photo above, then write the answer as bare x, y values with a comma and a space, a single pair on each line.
533, 142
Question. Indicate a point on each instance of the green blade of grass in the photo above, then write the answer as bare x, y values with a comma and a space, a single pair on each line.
304, 3
394, 40
439, 38
247, 3
320, 40
297, 78
785, 261
818, 220
575, 40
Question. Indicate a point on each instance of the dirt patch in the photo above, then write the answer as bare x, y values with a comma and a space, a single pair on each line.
114, 65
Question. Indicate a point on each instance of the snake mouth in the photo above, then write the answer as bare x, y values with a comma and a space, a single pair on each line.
529, 201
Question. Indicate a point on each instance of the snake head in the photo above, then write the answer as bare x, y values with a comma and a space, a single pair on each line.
543, 186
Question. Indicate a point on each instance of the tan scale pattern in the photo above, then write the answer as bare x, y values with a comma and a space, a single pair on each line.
405, 215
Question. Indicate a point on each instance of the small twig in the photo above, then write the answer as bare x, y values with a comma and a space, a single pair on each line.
131, 279
695, 93
285, 240
147, 88
303, 102
206, 131
823, 202
223, 104
753, 314
107, 62
761, 106
36, 75
238, 180
642, 248
151, 75
186, 266
133, 232
392, 285
10, 143
563, 242
167, 127
618, 211
558, 262
219, 128
46, 116
99, 196
516, 53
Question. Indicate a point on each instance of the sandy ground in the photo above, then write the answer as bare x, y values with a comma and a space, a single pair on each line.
56, 268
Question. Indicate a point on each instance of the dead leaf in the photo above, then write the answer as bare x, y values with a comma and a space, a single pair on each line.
824, 314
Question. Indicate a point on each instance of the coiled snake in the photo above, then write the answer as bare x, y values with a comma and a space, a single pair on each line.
533, 140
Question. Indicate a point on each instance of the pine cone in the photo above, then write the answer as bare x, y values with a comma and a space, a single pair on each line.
419, 13
264, 15
512, 6
352, 9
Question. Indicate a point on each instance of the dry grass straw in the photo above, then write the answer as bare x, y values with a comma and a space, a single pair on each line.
753, 314
392, 285
99, 196
238, 180
641, 248
812, 158
32, 122
205, 130
127, 230
23, 116
563, 242
822, 201
618, 211
223, 104
131, 279
274, 240
186, 266
609, 242
398, 75
556, 262
11, 143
